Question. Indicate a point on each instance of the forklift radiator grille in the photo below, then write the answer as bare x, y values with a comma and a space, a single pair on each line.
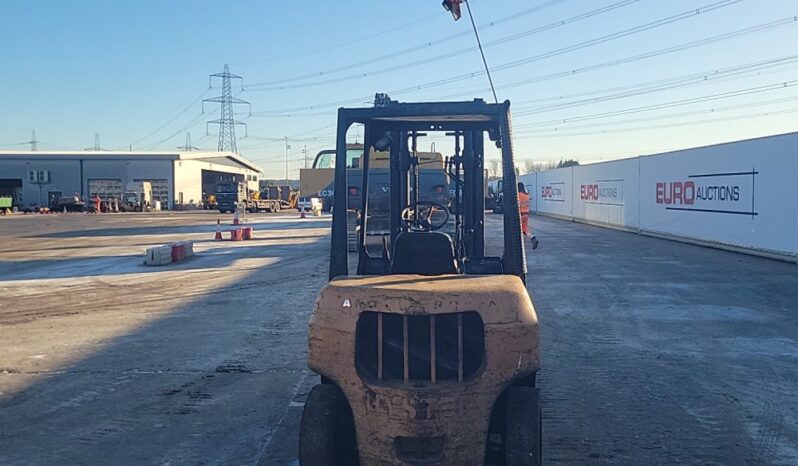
419, 348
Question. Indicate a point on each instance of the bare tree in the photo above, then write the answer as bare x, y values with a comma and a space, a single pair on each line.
567, 163
530, 166
494, 168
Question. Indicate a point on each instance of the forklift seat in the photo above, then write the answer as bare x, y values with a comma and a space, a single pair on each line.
423, 253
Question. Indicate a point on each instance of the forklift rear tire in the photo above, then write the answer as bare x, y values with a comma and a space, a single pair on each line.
327, 429
523, 430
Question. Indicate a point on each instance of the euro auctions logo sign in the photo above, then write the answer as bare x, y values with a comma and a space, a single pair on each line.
720, 193
608, 192
553, 192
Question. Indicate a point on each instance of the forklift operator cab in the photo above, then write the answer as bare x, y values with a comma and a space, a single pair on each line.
428, 353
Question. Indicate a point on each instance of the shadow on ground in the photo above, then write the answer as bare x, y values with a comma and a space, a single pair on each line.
222, 255
170, 230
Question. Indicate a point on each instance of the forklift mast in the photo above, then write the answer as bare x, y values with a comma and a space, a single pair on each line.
396, 127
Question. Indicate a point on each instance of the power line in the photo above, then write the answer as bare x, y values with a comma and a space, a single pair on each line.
425, 61
293, 115
574, 47
185, 127
311, 131
297, 137
704, 77
545, 131
415, 48
563, 74
788, 21
671, 104
204, 138
275, 141
620, 34
671, 125
185, 107
596, 41
735, 72
341, 44
641, 92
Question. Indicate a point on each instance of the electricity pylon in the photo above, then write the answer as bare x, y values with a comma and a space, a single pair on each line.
227, 122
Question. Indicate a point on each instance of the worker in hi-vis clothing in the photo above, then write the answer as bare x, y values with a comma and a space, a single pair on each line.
523, 205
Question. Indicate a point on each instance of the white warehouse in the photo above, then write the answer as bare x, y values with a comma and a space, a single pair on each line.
38, 179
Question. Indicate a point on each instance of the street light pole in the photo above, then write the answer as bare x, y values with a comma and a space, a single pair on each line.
305, 152
287, 147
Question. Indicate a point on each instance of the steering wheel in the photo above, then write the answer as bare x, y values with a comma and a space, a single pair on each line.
420, 219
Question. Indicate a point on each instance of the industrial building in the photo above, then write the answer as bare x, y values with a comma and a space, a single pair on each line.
179, 179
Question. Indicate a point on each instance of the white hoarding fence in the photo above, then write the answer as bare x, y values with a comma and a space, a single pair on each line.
553, 195
742, 195
607, 193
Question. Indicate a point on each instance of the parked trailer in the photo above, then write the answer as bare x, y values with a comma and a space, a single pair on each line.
233, 196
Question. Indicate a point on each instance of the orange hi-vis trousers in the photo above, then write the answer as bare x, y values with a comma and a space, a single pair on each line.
525, 223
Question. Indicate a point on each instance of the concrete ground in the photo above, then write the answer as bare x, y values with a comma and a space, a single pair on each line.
654, 352
106, 361
658, 352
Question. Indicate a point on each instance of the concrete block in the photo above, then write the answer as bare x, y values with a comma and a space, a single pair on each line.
175, 252
159, 255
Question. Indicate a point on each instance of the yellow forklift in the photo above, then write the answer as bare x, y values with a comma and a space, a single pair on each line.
427, 347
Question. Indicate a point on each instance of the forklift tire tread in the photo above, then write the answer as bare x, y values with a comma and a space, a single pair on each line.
523, 434
325, 429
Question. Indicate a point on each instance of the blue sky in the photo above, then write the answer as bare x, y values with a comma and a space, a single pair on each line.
135, 72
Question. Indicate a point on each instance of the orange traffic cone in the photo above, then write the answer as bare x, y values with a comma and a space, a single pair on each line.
218, 236
236, 218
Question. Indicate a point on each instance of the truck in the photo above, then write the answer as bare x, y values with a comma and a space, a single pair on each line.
318, 183
137, 197
231, 196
